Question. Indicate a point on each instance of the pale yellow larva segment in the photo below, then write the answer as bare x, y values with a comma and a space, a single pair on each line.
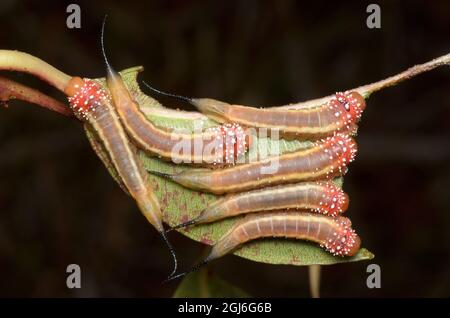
339, 113
202, 148
149, 206
134, 121
123, 154
333, 234
230, 179
309, 122
313, 196
213, 108
102, 153
323, 161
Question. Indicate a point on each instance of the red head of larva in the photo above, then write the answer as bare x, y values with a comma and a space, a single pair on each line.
334, 201
348, 106
84, 96
343, 241
341, 150
348, 148
233, 142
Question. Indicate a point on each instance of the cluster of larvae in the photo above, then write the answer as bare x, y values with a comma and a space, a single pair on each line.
299, 200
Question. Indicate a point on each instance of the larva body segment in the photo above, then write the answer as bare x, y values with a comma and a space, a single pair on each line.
333, 234
340, 114
223, 144
321, 197
91, 103
327, 159
102, 153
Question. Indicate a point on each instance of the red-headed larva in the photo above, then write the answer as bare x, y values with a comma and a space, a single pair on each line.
323, 197
217, 145
333, 234
339, 114
91, 103
327, 159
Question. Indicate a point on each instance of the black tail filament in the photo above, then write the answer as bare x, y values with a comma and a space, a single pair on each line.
109, 69
179, 97
193, 269
181, 225
111, 73
160, 174
172, 252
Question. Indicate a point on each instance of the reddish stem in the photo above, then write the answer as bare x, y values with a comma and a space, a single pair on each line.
12, 90
367, 90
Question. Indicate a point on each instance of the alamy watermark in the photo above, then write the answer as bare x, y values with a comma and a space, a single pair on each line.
73, 20
373, 21
374, 278
73, 280
217, 146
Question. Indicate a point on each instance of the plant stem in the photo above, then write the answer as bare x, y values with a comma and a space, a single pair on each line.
314, 280
23, 62
12, 90
368, 89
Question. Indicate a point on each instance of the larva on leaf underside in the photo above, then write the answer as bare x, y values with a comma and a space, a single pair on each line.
325, 160
102, 153
321, 197
335, 235
215, 146
339, 114
93, 105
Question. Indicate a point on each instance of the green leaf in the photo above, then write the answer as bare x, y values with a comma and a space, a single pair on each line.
180, 204
205, 284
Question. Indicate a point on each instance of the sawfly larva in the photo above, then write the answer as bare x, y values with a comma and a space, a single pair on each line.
327, 159
335, 235
92, 104
322, 197
339, 114
216, 145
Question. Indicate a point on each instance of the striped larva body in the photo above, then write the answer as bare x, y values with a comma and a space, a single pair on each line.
339, 114
335, 235
321, 197
91, 103
327, 159
223, 144
217, 145
99, 148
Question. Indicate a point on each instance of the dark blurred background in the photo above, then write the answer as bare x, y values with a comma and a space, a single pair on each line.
58, 205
